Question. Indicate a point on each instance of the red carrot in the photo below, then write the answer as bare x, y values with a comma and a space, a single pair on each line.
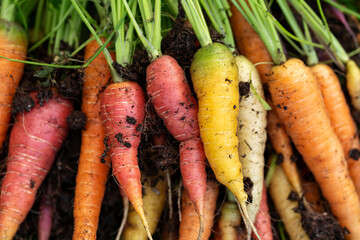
35, 138
263, 221
123, 113
173, 102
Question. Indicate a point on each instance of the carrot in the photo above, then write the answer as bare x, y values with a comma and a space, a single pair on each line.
352, 83
250, 44
173, 102
154, 201
189, 225
280, 188
340, 117
251, 132
215, 79
34, 140
45, 218
175, 105
13, 42
93, 168
123, 112
230, 219
229, 224
263, 221
301, 109
281, 144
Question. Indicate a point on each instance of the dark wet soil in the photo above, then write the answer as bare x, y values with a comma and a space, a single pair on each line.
320, 226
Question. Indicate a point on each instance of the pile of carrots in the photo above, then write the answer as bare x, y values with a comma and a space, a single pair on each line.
236, 141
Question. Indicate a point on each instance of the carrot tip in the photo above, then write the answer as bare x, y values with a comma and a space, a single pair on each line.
245, 215
141, 214
201, 229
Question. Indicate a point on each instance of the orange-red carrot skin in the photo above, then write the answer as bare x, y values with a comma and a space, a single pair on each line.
123, 112
301, 109
340, 117
13, 42
173, 101
189, 225
34, 140
93, 170
250, 44
263, 220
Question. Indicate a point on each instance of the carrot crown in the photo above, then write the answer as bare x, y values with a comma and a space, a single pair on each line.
321, 30
256, 14
220, 20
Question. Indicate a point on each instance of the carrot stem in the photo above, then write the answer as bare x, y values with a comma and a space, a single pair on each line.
197, 20
147, 44
38, 18
114, 74
7, 10
321, 32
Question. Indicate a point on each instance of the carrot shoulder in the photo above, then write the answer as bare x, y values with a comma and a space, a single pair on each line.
93, 169
34, 140
340, 117
13, 42
301, 109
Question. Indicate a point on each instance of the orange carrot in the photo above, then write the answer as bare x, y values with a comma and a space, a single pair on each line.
34, 140
13, 42
301, 109
249, 43
189, 225
281, 144
93, 168
340, 117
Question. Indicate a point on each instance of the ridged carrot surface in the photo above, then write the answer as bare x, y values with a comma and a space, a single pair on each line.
34, 140
93, 169
13, 42
123, 113
173, 101
300, 107
340, 117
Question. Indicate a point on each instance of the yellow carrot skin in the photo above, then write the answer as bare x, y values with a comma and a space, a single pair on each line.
229, 220
215, 79
280, 189
353, 83
154, 201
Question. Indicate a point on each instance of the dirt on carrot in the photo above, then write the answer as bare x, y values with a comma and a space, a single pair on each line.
320, 225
